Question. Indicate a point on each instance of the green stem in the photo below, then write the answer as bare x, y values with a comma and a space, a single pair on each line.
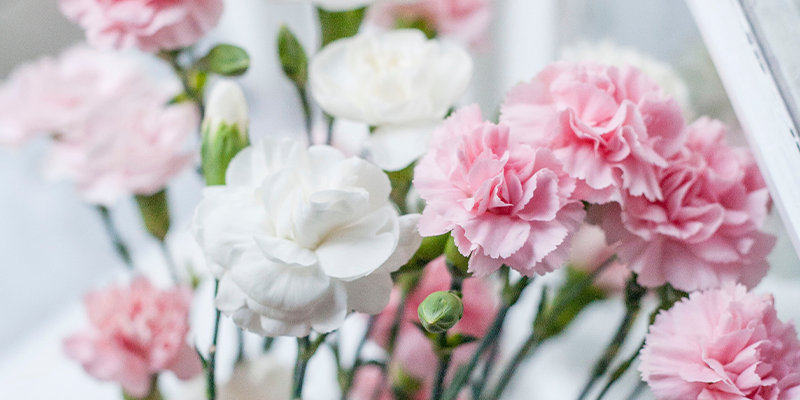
633, 304
173, 269
155, 393
303, 346
534, 340
357, 362
240, 341
620, 371
211, 384
444, 365
301, 91
637, 391
511, 294
488, 367
119, 245
184, 75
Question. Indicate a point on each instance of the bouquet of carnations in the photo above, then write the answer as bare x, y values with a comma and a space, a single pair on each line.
419, 222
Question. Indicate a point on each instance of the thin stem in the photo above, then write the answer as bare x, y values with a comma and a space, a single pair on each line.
397, 321
306, 113
119, 245
329, 120
173, 269
637, 391
240, 341
534, 340
303, 347
357, 362
444, 365
620, 371
212, 353
488, 367
530, 345
633, 302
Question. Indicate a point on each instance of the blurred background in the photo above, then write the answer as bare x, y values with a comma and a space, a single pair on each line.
53, 247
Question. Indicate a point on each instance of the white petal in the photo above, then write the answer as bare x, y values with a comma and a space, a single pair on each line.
369, 294
326, 211
278, 286
285, 251
407, 245
358, 249
393, 148
370, 178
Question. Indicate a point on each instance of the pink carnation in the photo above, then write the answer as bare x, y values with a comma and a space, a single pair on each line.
722, 344
56, 95
414, 352
114, 134
136, 332
150, 25
612, 128
505, 202
466, 21
706, 230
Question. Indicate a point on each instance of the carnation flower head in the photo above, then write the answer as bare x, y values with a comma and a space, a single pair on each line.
504, 202
114, 134
722, 344
612, 128
706, 229
466, 21
135, 333
150, 25
300, 237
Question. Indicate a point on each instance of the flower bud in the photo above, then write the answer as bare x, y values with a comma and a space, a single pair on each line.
225, 60
293, 58
440, 311
225, 130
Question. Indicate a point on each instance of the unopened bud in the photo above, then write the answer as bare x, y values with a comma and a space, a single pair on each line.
440, 311
225, 60
225, 130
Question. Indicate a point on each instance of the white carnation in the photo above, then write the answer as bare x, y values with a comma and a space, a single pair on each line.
398, 81
301, 237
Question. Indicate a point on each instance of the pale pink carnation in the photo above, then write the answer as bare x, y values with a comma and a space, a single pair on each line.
612, 128
135, 333
57, 95
114, 134
132, 145
466, 21
724, 344
150, 25
505, 202
706, 230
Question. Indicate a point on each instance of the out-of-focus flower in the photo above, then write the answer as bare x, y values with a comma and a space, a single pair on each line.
589, 251
114, 133
505, 202
466, 21
149, 25
414, 353
722, 344
370, 384
262, 378
612, 128
610, 53
302, 236
136, 332
57, 95
336, 5
706, 230
398, 81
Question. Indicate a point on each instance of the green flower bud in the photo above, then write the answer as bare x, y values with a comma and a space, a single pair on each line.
440, 311
225, 60
457, 263
294, 60
155, 213
225, 130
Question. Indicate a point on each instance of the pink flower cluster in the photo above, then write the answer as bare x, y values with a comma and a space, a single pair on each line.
136, 332
414, 353
504, 202
722, 344
678, 204
466, 21
150, 25
114, 132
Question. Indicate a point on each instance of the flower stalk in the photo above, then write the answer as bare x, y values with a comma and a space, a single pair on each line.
119, 245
